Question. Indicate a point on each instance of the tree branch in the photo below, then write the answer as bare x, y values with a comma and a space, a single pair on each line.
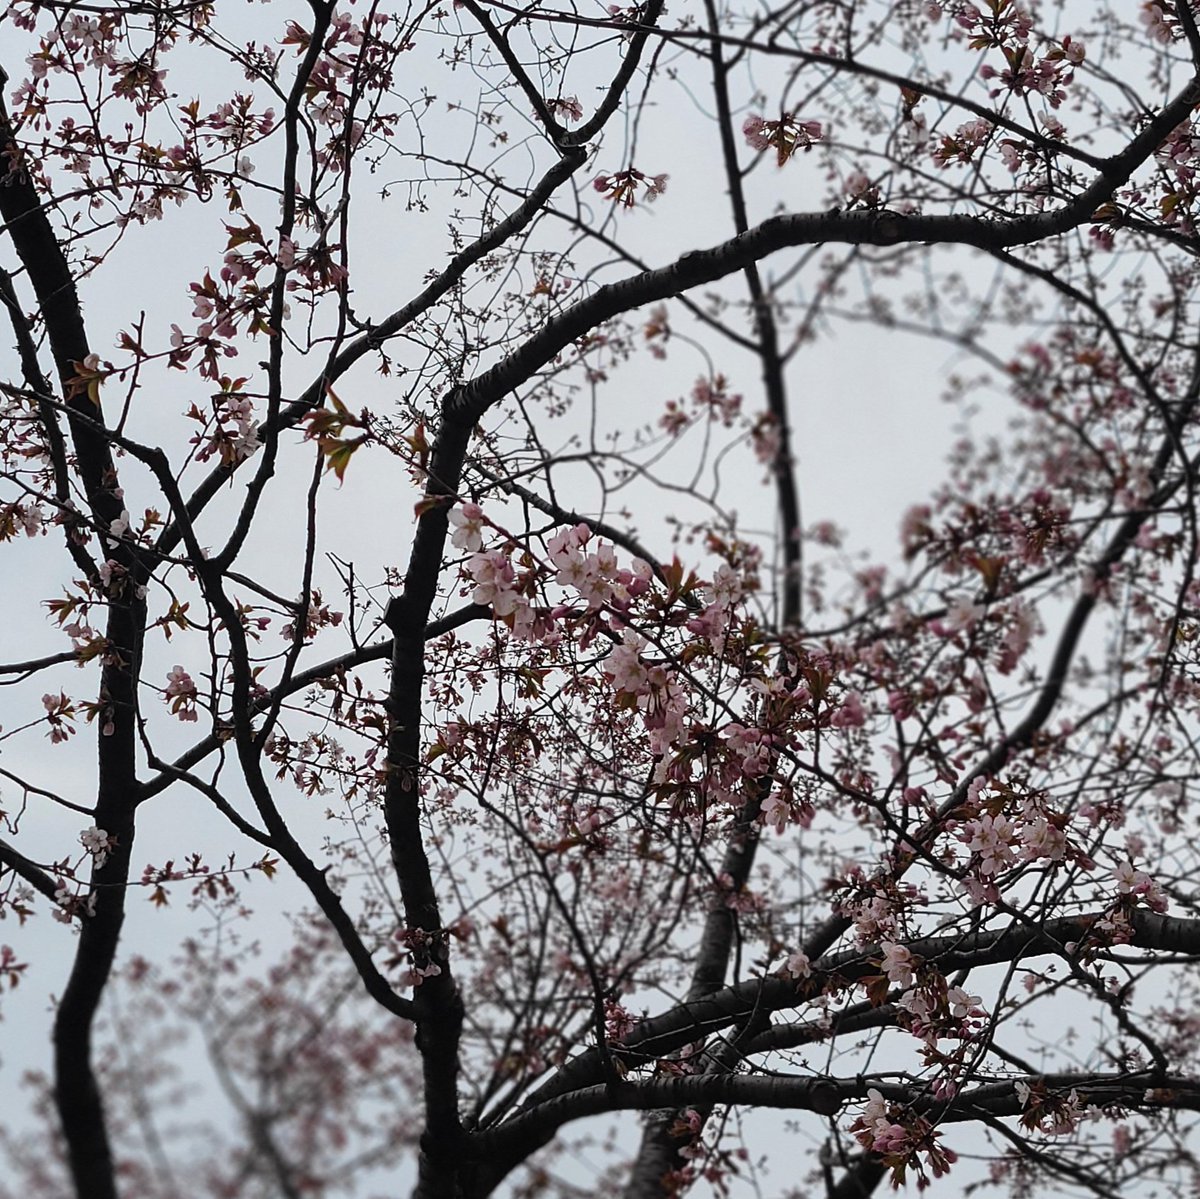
314, 395
377, 652
687, 1022
31, 872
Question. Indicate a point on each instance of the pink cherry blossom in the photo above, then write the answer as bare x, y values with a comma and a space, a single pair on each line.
98, 843
467, 519
897, 963
798, 965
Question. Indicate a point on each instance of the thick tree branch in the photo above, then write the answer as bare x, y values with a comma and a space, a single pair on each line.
817, 1094
31, 872
825, 1095
466, 404
687, 1022
76, 1092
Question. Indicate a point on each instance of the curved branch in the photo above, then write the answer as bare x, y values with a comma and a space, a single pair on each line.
1146, 1090
815, 1094
608, 105
285, 844
29, 789
37, 383
466, 404
688, 1022
33, 665
31, 872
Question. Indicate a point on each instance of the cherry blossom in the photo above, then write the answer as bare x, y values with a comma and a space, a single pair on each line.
181, 690
991, 838
785, 136
962, 1004
98, 843
624, 666
898, 963
621, 187
467, 520
1138, 884
798, 965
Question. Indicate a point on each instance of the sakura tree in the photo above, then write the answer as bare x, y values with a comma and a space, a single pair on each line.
436, 733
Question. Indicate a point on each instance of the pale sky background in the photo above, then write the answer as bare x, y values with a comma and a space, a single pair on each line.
870, 432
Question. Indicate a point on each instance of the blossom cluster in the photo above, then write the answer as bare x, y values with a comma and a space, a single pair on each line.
698, 761
618, 1021
125, 58
712, 401
588, 569
567, 107
879, 905
239, 298
1177, 158
357, 56
859, 189
1048, 76
24, 517
961, 146
60, 715
1025, 69
10, 968
70, 903
934, 1011
181, 691
230, 432
785, 136
1161, 24
901, 1138
82, 41
1137, 884
1053, 1115
1002, 830
622, 186
423, 951
711, 398
98, 843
